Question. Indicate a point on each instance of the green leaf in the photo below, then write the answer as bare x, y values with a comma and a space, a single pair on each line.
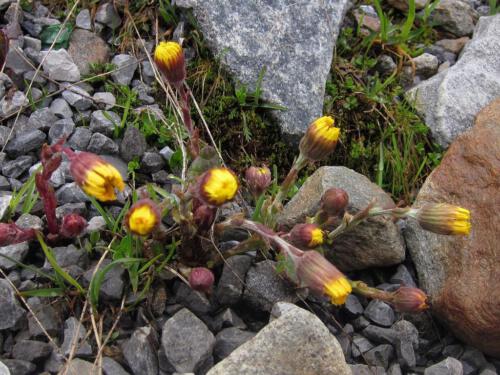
49, 35
43, 292
52, 260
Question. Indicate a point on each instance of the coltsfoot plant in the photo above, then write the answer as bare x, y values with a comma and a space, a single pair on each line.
205, 185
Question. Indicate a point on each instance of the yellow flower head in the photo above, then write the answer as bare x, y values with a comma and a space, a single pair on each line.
322, 277
443, 218
143, 217
320, 139
338, 290
217, 186
307, 235
95, 176
169, 59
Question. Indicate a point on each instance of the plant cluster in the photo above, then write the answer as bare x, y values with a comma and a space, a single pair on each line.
144, 245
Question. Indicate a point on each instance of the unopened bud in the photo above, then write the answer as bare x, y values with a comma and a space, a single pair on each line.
443, 218
334, 201
258, 180
307, 235
72, 226
201, 279
204, 217
320, 139
169, 59
322, 277
410, 300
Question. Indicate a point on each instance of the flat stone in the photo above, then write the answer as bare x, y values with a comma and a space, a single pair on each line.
449, 267
104, 99
228, 340
107, 15
24, 143
47, 316
140, 353
360, 345
78, 366
449, 366
61, 108
104, 122
186, 341
68, 256
100, 144
60, 66
71, 193
403, 277
16, 168
296, 343
377, 242
75, 339
380, 313
4, 204
41, 119
30, 350
111, 367
83, 20
379, 356
60, 129
453, 45
352, 306
152, 162
296, 51
88, 48
77, 98
125, 68
19, 366
133, 144
195, 301
426, 65
80, 139
264, 287
10, 310
380, 335
231, 283
450, 100
17, 252
113, 284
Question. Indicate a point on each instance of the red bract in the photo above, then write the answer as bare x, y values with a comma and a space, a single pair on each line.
72, 225
201, 279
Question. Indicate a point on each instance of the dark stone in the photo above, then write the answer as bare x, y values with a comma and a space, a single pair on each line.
16, 168
229, 339
366, 370
352, 306
152, 162
10, 310
228, 318
75, 339
133, 144
104, 122
454, 351
360, 345
80, 139
71, 193
140, 351
112, 286
30, 350
449, 366
46, 316
380, 313
379, 356
19, 366
61, 128
195, 301
41, 119
231, 283
403, 277
360, 323
100, 144
111, 367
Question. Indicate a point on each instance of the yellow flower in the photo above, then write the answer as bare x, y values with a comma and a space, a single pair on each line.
338, 290
217, 186
143, 217
169, 59
443, 218
95, 176
320, 139
322, 277
307, 235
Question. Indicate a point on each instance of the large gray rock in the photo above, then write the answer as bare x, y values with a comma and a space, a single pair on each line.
10, 310
455, 16
296, 343
187, 342
450, 100
60, 66
292, 40
376, 242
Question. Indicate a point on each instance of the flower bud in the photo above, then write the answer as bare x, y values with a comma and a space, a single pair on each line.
143, 217
204, 216
217, 186
11, 234
258, 180
334, 201
307, 235
169, 59
320, 139
72, 225
322, 277
95, 176
201, 279
410, 300
443, 218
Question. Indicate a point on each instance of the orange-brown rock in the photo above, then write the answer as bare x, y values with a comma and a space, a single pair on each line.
462, 274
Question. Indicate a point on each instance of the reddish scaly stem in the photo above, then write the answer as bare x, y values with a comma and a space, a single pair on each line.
194, 136
11, 234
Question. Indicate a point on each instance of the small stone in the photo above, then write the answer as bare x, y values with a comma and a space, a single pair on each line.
379, 356
104, 99
18, 62
474, 357
46, 317
16, 251
231, 283
367, 17
454, 351
161, 177
25, 143
405, 353
489, 369
83, 20
449, 366
71, 208
167, 153
111, 367
78, 366
186, 341
195, 301
112, 286
96, 224
33, 43
60, 66
4, 370
403, 277
360, 345
60, 129
75, 339
140, 352
87, 48
367, 370
4, 184
228, 318
4, 204
19, 366
133, 144
71, 193
394, 369
148, 73
380, 313
403, 5
10, 309
77, 98
380, 335
360, 323
229, 339
453, 45
16, 168
426, 65
41, 119
107, 15
104, 122
125, 68
152, 162
68, 256
11, 105
30, 350
455, 16
80, 139
386, 65
60, 108
26, 221
100, 144
352, 306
